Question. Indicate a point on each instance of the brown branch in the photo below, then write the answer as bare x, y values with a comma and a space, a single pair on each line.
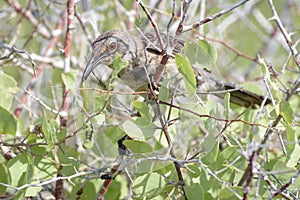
30, 17
247, 187
49, 49
215, 118
170, 144
67, 57
154, 25
165, 57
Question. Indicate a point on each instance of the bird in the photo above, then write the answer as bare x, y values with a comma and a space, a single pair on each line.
143, 54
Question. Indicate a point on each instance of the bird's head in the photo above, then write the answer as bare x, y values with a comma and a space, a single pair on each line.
104, 49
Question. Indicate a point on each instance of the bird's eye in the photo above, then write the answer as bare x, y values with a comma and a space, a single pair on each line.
112, 46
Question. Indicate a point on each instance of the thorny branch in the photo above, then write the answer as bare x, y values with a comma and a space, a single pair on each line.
290, 93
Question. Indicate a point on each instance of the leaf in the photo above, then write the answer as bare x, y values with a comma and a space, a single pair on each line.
17, 168
227, 105
202, 53
8, 124
143, 109
137, 146
32, 191
69, 79
226, 194
187, 72
3, 178
194, 191
132, 130
264, 68
286, 111
293, 149
211, 146
164, 90
148, 185
8, 87
194, 107
50, 129
118, 64
114, 191
193, 170
30, 168
280, 165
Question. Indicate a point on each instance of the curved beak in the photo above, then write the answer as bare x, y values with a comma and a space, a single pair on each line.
91, 65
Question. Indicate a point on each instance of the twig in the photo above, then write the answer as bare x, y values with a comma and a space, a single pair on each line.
284, 33
280, 190
183, 9
30, 17
251, 163
165, 57
115, 92
170, 144
14, 49
215, 118
48, 52
154, 25
290, 92
214, 16
69, 178
44, 104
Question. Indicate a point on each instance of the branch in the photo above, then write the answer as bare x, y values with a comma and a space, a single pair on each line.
214, 16
27, 14
284, 33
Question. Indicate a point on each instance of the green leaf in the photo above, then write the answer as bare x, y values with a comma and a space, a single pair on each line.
193, 170
195, 107
69, 79
118, 64
3, 178
8, 87
32, 191
17, 168
30, 168
185, 68
8, 124
211, 146
145, 119
286, 111
148, 185
90, 191
50, 130
280, 165
264, 68
99, 101
227, 105
113, 192
137, 146
202, 53
132, 130
226, 194
164, 90
195, 191
293, 149
68, 161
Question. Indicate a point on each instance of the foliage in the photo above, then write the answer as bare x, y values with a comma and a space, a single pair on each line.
60, 138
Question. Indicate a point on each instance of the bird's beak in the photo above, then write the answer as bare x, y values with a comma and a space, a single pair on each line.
92, 64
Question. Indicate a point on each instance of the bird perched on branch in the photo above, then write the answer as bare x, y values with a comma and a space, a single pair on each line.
144, 56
